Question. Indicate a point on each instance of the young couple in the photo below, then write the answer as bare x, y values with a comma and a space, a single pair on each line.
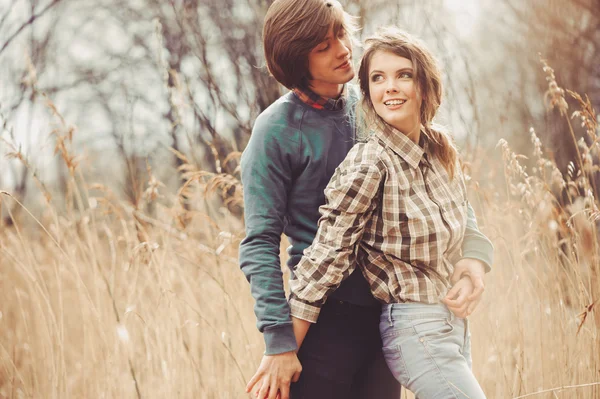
394, 261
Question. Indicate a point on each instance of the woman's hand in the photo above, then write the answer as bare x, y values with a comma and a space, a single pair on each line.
457, 298
475, 270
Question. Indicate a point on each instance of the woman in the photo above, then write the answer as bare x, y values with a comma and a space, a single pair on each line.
397, 207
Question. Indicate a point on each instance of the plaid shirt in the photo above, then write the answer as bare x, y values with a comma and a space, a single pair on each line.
316, 101
392, 210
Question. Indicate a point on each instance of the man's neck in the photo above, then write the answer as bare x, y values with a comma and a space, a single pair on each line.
326, 90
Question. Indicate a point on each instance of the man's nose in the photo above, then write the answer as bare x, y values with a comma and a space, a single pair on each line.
343, 48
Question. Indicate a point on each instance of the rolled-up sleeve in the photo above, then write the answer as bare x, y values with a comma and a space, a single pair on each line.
475, 244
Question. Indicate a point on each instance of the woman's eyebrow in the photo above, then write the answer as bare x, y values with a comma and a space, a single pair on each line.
399, 70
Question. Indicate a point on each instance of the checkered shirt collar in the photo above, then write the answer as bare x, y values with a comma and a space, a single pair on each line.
316, 101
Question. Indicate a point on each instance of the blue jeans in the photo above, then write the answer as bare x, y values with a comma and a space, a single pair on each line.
428, 350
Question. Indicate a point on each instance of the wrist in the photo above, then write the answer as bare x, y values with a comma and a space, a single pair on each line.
482, 260
279, 340
473, 266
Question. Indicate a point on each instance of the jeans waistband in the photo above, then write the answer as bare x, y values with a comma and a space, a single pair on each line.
415, 311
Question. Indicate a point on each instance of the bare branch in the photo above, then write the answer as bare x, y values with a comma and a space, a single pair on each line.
6, 14
27, 23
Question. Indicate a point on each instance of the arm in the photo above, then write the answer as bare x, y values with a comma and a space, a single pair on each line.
475, 244
331, 257
300, 329
477, 249
477, 258
267, 177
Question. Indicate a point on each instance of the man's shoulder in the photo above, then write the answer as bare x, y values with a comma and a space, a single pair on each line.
284, 114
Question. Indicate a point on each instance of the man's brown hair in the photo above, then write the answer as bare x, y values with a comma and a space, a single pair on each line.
292, 29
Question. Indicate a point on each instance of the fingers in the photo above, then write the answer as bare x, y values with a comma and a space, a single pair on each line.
284, 391
461, 301
274, 389
473, 305
253, 381
257, 387
296, 376
460, 311
264, 390
458, 306
478, 288
453, 293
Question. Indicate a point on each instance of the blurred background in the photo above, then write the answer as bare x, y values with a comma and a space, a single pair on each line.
122, 123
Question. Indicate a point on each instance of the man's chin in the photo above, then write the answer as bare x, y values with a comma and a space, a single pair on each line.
342, 79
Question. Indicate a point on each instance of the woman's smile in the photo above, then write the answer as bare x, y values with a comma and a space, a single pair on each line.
393, 91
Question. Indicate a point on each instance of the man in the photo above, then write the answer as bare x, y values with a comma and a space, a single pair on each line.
296, 145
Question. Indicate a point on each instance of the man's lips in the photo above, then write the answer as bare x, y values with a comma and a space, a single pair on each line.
344, 65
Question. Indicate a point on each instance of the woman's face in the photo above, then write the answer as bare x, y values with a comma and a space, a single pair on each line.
394, 93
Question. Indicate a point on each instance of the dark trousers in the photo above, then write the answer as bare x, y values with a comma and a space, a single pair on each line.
341, 356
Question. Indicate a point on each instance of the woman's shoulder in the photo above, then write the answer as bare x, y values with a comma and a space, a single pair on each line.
364, 157
369, 149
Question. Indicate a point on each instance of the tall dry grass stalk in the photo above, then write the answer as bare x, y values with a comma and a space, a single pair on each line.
110, 299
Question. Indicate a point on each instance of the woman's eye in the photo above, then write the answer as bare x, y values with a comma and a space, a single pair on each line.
376, 78
324, 48
406, 75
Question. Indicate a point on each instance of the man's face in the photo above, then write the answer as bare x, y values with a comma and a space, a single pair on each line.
330, 63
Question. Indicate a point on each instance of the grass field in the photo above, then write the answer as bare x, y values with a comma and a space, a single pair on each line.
114, 300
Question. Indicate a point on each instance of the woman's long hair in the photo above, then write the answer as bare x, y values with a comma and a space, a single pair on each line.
428, 80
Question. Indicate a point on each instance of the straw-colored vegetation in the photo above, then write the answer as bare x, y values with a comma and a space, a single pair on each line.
109, 299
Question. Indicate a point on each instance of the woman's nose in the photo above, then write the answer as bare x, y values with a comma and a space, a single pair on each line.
391, 86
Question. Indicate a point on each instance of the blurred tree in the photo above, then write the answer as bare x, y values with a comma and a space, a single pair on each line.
19, 26
567, 34
138, 77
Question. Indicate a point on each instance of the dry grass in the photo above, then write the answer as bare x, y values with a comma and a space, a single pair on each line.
118, 300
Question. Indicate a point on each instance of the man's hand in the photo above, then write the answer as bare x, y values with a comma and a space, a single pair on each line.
475, 270
457, 298
275, 374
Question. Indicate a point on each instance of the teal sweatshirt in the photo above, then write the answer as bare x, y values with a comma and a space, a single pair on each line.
290, 158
